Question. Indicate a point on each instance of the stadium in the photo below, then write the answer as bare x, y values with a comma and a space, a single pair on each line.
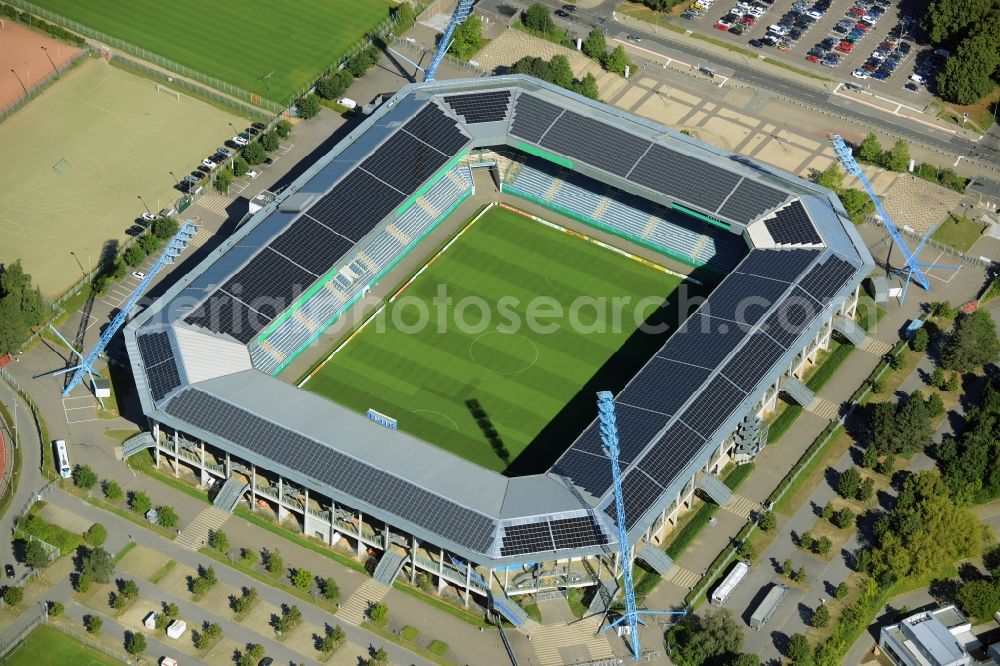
784, 261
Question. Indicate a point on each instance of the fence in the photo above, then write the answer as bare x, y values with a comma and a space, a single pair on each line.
41, 616
39, 88
40, 427
875, 220
463, 64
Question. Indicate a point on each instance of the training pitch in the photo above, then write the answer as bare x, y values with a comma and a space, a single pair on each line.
237, 42
24, 59
46, 646
79, 155
453, 379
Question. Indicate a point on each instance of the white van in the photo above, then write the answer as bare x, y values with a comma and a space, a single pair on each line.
62, 460
347, 102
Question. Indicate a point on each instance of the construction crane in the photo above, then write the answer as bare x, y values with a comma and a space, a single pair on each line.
462, 11
86, 365
632, 617
914, 267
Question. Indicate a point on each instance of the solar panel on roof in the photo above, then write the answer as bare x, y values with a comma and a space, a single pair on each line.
750, 200
751, 363
268, 284
712, 406
823, 281
786, 265
527, 538
639, 493
158, 361
154, 348
533, 117
592, 473
686, 178
311, 245
433, 126
484, 107
662, 385
703, 341
221, 313
743, 299
163, 378
404, 162
356, 205
792, 317
792, 225
576, 532
596, 143
671, 454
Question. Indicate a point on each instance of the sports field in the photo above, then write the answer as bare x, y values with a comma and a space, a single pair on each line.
27, 53
238, 42
521, 370
77, 157
46, 646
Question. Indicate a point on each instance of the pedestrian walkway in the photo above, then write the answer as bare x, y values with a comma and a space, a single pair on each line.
215, 203
560, 644
682, 577
195, 534
741, 506
873, 346
824, 408
355, 609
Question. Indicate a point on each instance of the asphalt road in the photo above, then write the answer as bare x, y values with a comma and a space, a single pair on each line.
986, 151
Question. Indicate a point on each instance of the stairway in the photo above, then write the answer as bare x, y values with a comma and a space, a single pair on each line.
389, 567
229, 494
850, 330
355, 609
603, 597
195, 534
136, 443
797, 391
507, 607
712, 486
655, 558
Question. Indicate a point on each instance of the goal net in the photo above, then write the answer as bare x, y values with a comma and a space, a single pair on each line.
164, 89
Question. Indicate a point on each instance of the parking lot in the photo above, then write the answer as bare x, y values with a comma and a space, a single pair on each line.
802, 34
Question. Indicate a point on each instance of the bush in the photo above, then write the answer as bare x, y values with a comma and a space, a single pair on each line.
96, 535
112, 491
331, 591
135, 643
409, 633
439, 648
841, 591
148, 243
248, 556
379, 614
92, 623
424, 583
139, 502
362, 61
820, 617
166, 517
240, 166
270, 141
308, 106
331, 86
273, 562
302, 578
133, 255
768, 521
218, 541
537, 18
55, 608
283, 128
84, 477
787, 567
403, 16
254, 153
926, 171
165, 227
12, 595
223, 179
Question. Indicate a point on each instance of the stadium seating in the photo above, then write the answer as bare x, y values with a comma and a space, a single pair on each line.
635, 218
384, 249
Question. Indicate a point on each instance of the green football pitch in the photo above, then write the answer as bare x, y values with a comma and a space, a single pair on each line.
46, 646
529, 335
237, 42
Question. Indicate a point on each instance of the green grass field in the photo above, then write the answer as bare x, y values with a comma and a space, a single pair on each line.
535, 387
234, 41
46, 646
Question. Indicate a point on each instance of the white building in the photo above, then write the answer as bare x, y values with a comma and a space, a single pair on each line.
941, 637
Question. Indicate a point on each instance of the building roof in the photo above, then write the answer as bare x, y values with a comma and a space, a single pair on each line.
202, 375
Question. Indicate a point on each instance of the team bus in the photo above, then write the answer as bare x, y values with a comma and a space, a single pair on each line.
727, 586
62, 460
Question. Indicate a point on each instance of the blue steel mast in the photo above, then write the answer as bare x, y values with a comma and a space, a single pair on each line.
609, 436
913, 263
86, 366
462, 11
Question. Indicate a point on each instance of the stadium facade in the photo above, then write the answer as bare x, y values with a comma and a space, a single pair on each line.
206, 353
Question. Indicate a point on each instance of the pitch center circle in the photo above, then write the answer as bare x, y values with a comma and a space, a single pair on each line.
503, 353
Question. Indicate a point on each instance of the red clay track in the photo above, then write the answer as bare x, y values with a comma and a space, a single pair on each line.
21, 50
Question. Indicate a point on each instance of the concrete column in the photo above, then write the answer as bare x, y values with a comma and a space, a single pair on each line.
281, 500
253, 487
506, 579
156, 454
468, 582
413, 560
385, 536
156, 431
361, 548
440, 584
229, 468
204, 474
177, 453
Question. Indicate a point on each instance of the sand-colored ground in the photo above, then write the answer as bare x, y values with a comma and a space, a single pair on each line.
27, 53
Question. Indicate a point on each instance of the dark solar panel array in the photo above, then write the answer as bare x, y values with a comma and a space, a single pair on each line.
790, 318
311, 245
576, 532
223, 314
484, 107
786, 265
404, 162
433, 126
703, 341
356, 205
596, 143
328, 466
751, 199
639, 493
792, 225
748, 367
158, 360
743, 298
662, 385
687, 178
672, 454
824, 280
588, 472
529, 538
712, 406
533, 117
268, 282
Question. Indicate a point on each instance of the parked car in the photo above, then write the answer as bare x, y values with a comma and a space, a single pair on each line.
252, 131
9, 570
845, 47
222, 150
262, 126
240, 140
881, 74
252, 174
911, 86
756, 43
138, 275
737, 28
916, 78
860, 73
147, 216
831, 60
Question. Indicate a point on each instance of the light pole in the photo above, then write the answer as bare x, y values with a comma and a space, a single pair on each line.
19, 80
16, 433
139, 197
54, 68
176, 182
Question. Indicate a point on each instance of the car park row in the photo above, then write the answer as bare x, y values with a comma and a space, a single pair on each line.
192, 181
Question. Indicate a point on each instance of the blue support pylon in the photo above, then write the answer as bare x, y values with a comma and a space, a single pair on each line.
462, 11
609, 437
914, 267
86, 366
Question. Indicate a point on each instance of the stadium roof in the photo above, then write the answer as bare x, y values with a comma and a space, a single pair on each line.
195, 351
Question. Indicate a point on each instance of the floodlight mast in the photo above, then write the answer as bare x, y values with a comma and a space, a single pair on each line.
912, 258
462, 11
609, 437
86, 366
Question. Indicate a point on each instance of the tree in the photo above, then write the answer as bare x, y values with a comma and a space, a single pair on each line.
746, 551
273, 562
537, 18
218, 541
744, 659
35, 555
841, 591
166, 516
945, 20
897, 158
820, 617
379, 614
857, 203
133, 255
112, 491
254, 153
165, 227
12, 595
332, 640
831, 177
920, 340
308, 107
210, 632
870, 150
240, 166
331, 591
467, 38
866, 490
404, 18
171, 610
84, 477
972, 343
55, 608
787, 567
887, 465
248, 556
967, 76
806, 541
424, 583
870, 458
362, 61
21, 306
332, 86
92, 623
848, 482
135, 643
800, 575
562, 73
379, 658
139, 502
270, 141
698, 639
223, 179
588, 87
245, 601
843, 518
302, 578
827, 511
96, 535
935, 405
952, 384
938, 379
798, 649
768, 521
616, 61
97, 565
284, 128
290, 618
823, 545
979, 598
595, 45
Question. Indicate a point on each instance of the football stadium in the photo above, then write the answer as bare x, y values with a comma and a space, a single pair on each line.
293, 370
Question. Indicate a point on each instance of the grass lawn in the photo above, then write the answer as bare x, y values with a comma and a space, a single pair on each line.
46, 646
236, 43
486, 366
959, 232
